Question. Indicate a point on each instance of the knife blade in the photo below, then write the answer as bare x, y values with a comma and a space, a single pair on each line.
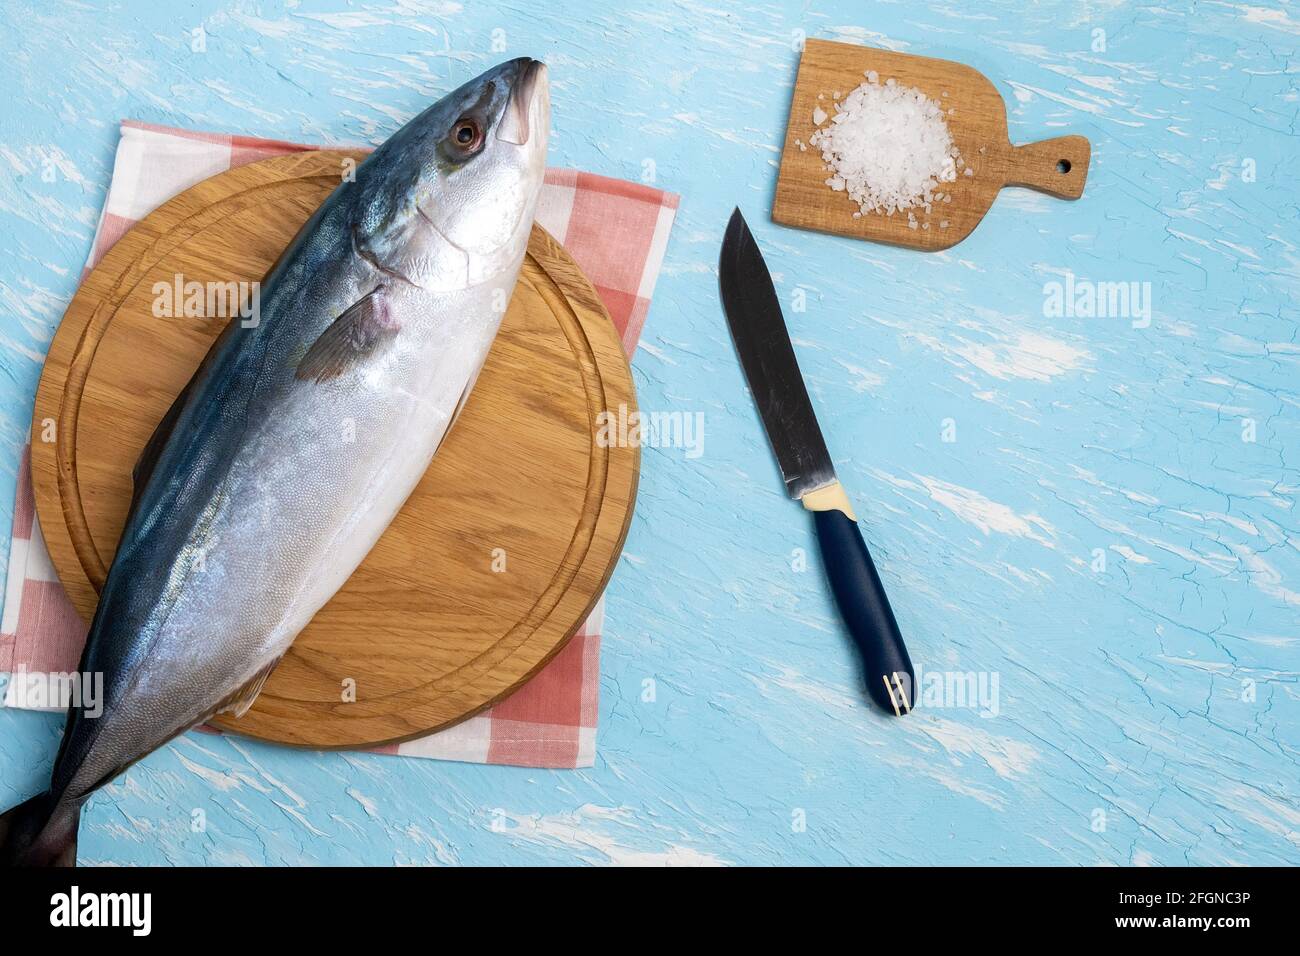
767, 356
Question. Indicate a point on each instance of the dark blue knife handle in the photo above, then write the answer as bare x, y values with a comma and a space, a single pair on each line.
862, 603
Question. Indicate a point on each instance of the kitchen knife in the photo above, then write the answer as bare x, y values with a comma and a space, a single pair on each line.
759, 331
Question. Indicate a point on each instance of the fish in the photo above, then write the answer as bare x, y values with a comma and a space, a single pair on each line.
301, 434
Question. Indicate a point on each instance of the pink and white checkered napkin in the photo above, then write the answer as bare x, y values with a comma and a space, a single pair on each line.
616, 231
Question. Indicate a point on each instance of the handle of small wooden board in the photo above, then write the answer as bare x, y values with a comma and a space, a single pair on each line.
1058, 167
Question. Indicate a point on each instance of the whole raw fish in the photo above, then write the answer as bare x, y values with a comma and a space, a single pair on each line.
300, 436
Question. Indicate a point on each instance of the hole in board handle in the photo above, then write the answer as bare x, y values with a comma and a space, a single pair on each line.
1062, 166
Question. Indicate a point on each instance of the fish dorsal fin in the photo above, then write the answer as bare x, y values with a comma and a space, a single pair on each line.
242, 699
358, 332
148, 460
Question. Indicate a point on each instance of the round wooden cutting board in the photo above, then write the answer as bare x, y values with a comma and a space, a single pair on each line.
495, 560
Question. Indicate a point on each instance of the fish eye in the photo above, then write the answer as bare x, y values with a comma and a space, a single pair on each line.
467, 134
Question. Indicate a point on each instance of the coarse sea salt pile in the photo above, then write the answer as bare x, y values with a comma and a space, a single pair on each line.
888, 147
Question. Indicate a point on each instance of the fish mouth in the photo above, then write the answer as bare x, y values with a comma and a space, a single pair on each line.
530, 77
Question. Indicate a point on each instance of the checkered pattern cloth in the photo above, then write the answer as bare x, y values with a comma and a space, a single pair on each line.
616, 231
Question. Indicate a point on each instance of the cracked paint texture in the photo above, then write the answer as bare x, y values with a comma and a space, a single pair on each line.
1147, 713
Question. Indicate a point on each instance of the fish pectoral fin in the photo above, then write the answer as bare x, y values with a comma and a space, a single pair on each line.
242, 699
357, 333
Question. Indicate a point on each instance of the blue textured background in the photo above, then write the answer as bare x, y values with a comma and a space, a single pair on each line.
1126, 732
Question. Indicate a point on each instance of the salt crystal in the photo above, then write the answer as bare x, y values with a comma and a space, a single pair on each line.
873, 76
911, 223
943, 223
819, 116
887, 146
969, 171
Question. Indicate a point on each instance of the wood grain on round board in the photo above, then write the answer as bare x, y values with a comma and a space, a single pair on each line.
495, 560
977, 123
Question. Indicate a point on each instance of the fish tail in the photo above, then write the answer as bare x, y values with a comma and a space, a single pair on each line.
36, 834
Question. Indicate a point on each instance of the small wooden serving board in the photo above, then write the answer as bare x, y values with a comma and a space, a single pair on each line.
977, 123
497, 557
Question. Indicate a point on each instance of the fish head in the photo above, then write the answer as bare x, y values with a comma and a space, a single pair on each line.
448, 200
